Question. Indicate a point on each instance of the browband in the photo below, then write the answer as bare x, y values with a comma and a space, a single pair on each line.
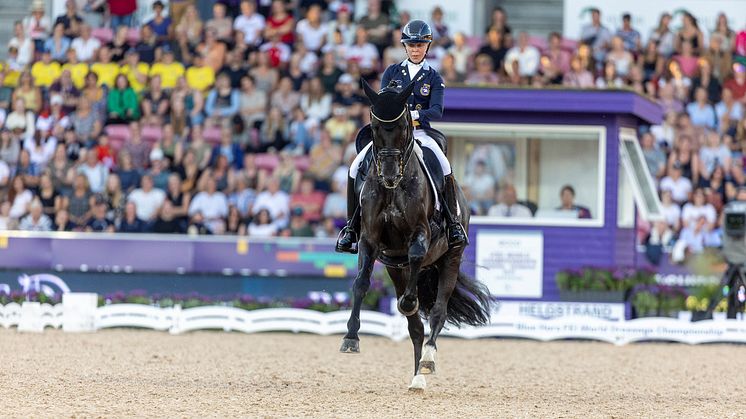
392, 120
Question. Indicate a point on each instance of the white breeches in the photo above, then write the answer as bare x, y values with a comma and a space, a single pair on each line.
426, 142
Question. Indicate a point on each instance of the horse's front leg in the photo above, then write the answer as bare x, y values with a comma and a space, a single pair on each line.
366, 259
408, 304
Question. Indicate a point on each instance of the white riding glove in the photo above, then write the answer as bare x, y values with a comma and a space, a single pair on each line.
415, 115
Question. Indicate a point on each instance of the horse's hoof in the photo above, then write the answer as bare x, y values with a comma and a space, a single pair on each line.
408, 308
350, 346
427, 361
418, 383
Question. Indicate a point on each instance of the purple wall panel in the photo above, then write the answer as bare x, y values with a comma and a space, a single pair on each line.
122, 255
24, 252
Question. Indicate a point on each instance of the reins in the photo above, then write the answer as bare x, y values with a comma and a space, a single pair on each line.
390, 152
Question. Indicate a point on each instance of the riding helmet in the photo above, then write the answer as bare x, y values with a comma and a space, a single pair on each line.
416, 31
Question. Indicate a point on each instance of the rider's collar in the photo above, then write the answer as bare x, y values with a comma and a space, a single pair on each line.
424, 64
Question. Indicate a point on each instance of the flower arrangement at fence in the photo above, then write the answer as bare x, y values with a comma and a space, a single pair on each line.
700, 298
658, 300
603, 279
379, 292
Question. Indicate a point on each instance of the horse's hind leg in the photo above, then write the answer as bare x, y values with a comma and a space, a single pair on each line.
366, 259
439, 313
415, 326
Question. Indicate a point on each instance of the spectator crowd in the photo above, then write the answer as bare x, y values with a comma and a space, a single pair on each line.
242, 120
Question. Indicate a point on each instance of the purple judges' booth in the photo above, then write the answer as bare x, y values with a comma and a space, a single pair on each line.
526, 146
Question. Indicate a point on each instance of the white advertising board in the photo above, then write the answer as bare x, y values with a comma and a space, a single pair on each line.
511, 263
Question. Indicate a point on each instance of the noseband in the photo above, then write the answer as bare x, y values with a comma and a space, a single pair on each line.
390, 152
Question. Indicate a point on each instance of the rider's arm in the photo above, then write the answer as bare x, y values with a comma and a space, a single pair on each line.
386, 78
435, 111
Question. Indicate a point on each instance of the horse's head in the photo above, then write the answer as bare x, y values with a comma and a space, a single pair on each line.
391, 126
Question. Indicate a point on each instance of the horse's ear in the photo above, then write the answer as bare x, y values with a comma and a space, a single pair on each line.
404, 94
372, 95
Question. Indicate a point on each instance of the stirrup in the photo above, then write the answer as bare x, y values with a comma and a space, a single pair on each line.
341, 247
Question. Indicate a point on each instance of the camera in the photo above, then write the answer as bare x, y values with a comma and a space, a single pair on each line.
734, 227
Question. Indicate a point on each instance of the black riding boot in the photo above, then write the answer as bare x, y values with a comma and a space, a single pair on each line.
456, 234
348, 237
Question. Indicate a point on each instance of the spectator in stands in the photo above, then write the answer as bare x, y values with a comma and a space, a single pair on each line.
527, 57
298, 226
37, 26
27, 169
77, 72
20, 121
556, 61
499, 21
723, 32
45, 71
621, 58
667, 98
274, 200
227, 148
155, 103
509, 206
85, 45
482, 186
70, 21
95, 172
19, 197
262, 225
160, 24
689, 32
189, 26
265, 76
342, 25
701, 112
309, 199
484, 73
96, 96
220, 23
167, 222
597, 36
80, 201
252, 103
167, 69
122, 12
720, 61
335, 205
62, 221
187, 106
341, 128
119, 45
122, 103
172, 148
312, 30
85, 122
137, 149
129, 176
691, 240
363, 53
10, 149
40, 148
654, 157
696, 208
567, 203
114, 198
212, 204
670, 209
234, 224
578, 76
202, 151
179, 199
250, 23
147, 45
147, 199
104, 68
222, 102
316, 103
36, 220
728, 112
325, 158
679, 186
57, 44
98, 222
662, 36
158, 169
630, 36
494, 48
737, 82
704, 79
609, 79
686, 59
29, 92
6, 221
714, 153
23, 45
131, 223
50, 198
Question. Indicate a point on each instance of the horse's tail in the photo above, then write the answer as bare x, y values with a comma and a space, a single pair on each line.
469, 303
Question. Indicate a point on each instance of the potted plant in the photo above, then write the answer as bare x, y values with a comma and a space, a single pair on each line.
597, 284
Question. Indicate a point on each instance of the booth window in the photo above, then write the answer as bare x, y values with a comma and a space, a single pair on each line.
639, 177
516, 174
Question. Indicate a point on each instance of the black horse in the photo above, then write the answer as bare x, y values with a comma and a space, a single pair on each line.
397, 229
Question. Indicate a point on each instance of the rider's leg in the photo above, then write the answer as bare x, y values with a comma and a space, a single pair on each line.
449, 198
348, 237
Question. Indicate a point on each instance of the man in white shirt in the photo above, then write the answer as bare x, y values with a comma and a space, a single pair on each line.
85, 46
679, 186
509, 207
36, 220
95, 172
526, 55
312, 29
147, 199
362, 51
275, 201
250, 23
213, 205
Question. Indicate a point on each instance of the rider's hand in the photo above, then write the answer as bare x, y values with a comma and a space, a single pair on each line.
415, 115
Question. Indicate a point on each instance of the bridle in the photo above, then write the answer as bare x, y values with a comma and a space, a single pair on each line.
390, 152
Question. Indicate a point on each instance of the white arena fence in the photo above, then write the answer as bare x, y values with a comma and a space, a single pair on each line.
78, 313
